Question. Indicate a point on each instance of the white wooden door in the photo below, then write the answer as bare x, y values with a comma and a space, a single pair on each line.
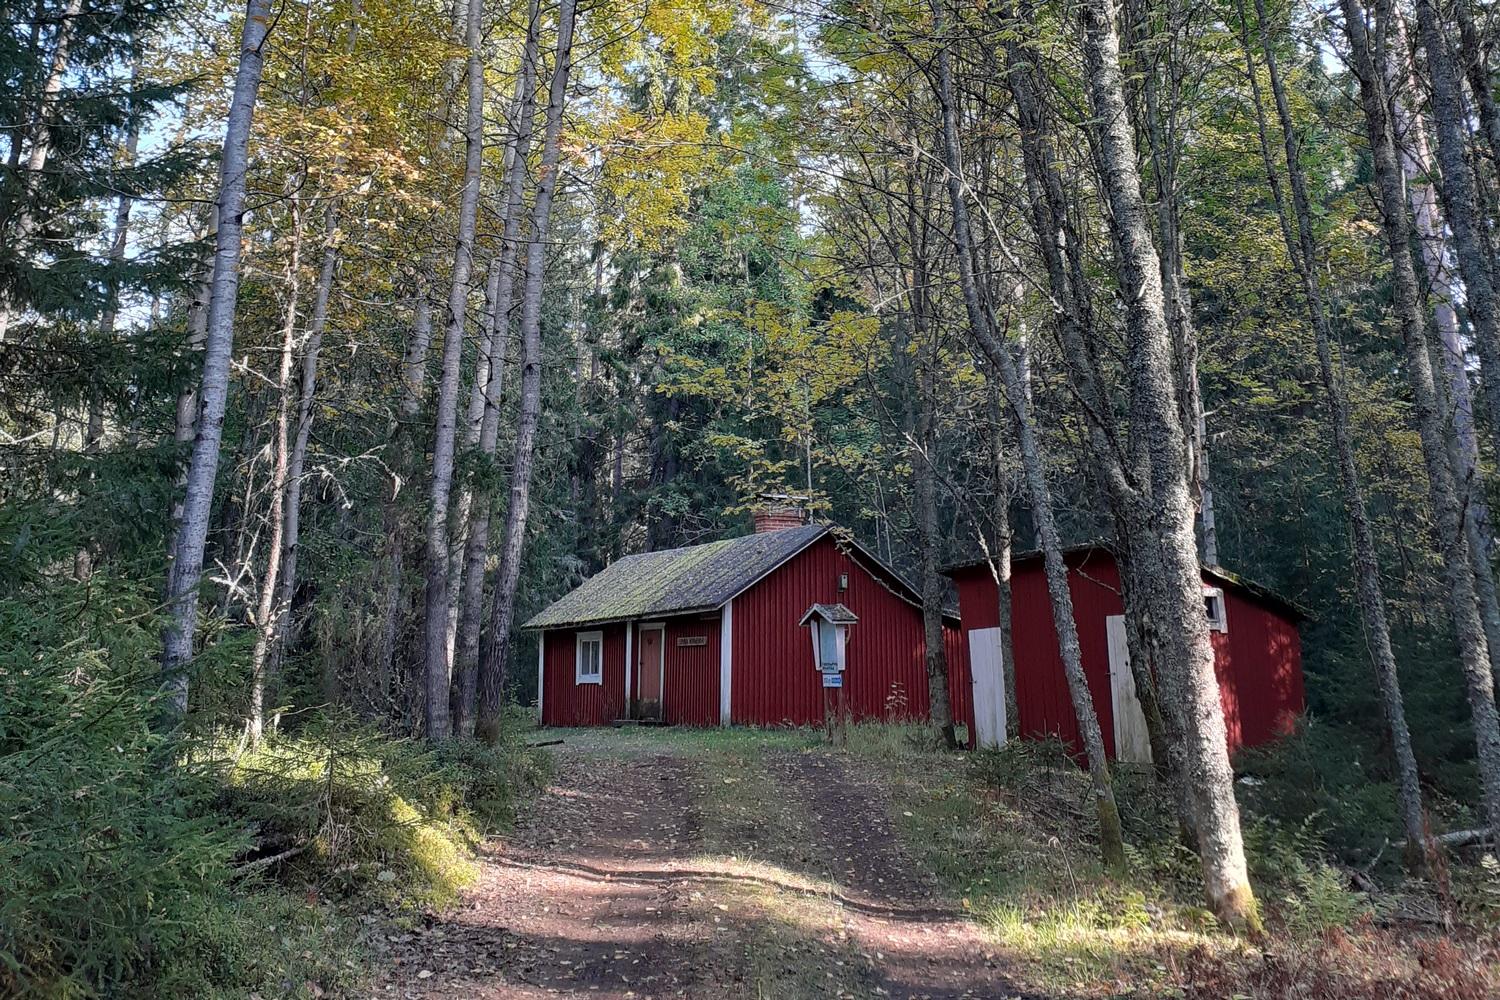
1132, 741
988, 675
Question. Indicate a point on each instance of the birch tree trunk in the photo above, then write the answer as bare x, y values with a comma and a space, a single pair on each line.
476, 546
1154, 418
436, 713
1452, 542
461, 515
494, 654
1306, 257
186, 415
267, 614
306, 396
1460, 199
297, 461
187, 563
1111, 840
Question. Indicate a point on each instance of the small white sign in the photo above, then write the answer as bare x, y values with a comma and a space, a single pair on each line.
833, 680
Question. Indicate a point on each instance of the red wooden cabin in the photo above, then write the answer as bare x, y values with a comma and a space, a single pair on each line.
1258, 654
713, 635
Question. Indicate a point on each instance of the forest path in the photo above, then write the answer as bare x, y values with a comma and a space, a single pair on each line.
710, 865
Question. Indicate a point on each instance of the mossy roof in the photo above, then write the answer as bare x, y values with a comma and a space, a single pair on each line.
676, 581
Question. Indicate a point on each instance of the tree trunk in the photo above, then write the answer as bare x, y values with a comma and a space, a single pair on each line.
297, 461
1004, 548
1155, 418
267, 614
1306, 257
395, 521
436, 714
502, 609
306, 396
1475, 56
1451, 539
1110, 834
187, 398
187, 564
940, 708
1124, 474
1460, 199
476, 547
1162, 135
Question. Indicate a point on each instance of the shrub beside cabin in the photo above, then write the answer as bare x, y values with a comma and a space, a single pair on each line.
743, 632
1257, 654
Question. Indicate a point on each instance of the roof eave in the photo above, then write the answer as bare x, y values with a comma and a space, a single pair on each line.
1264, 593
533, 625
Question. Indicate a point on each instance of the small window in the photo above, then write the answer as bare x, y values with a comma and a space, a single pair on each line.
589, 665
1213, 606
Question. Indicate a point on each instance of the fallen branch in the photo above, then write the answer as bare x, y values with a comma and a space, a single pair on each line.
1458, 838
266, 862
544, 743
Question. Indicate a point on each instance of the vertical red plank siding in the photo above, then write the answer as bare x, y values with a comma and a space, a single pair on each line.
690, 690
1044, 705
1259, 664
960, 681
774, 679
978, 598
1258, 661
568, 703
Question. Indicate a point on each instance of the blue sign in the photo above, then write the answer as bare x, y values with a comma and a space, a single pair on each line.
832, 680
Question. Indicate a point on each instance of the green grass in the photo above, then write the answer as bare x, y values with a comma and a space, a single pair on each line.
792, 944
682, 739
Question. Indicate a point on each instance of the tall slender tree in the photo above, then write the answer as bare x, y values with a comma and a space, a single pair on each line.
186, 566
1176, 590
1306, 257
1111, 837
494, 654
436, 712
1367, 61
476, 547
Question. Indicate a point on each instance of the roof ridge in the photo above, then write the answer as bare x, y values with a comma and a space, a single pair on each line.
681, 580
716, 541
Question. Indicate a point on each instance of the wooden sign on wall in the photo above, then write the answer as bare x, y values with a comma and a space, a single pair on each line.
692, 640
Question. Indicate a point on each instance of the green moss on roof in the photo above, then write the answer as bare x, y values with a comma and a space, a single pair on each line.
673, 581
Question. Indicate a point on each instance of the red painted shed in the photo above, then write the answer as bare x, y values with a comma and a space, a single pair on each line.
1258, 653
713, 634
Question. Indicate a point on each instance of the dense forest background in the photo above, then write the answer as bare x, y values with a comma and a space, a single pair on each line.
472, 300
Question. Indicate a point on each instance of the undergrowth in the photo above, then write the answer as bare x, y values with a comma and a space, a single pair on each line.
1011, 833
354, 812
139, 864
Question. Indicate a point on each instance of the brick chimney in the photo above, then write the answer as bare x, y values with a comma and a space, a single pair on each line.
777, 512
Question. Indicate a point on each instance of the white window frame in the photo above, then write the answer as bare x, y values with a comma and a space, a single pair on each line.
581, 640
1219, 623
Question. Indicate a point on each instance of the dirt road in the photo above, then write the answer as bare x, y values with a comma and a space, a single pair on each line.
656, 866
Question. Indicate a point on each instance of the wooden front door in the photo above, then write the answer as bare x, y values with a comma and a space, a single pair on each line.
988, 674
649, 671
1132, 740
